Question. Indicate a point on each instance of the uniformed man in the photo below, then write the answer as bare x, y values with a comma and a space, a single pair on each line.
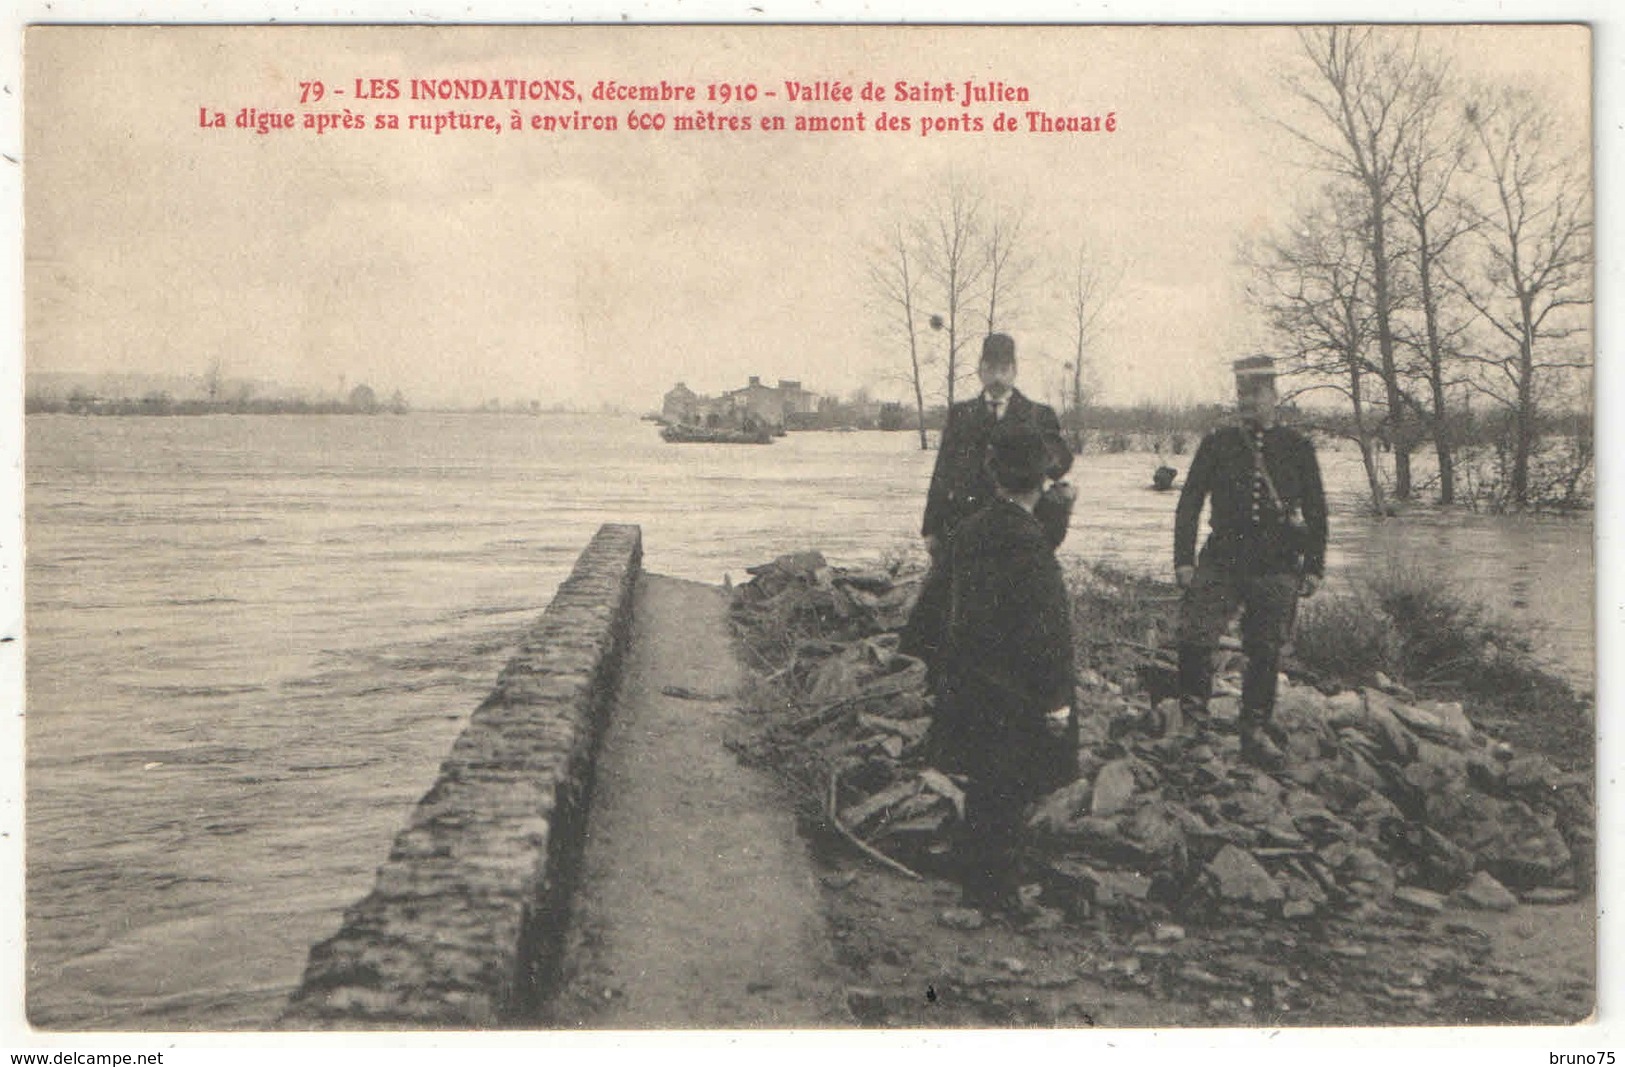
962, 482
1266, 548
1004, 717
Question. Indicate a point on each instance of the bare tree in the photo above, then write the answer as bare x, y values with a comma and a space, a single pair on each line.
896, 278
950, 243
1090, 286
1431, 207
959, 265
1008, 263
1313, 285
1371, 89
1533, 281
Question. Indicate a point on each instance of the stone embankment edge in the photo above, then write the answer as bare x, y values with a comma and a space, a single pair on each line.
462, 927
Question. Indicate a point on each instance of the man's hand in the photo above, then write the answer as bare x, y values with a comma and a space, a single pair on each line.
1055, 722
1308, 584
1065, 492
1184, 575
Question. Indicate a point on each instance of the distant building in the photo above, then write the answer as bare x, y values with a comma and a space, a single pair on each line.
761, 402
762, 405
796, 400
679, 404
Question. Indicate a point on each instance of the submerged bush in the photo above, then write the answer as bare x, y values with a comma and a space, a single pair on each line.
1347, 639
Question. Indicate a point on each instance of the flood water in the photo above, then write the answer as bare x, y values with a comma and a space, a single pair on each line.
252, 639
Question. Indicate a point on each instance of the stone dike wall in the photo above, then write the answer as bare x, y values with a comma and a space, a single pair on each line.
462, 928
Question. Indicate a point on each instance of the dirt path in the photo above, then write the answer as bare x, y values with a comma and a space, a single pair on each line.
698, 904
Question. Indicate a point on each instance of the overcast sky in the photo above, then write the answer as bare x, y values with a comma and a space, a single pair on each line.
590, 267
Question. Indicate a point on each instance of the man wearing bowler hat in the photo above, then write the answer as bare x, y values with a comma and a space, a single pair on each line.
1265, 549
1003, 717
962, 481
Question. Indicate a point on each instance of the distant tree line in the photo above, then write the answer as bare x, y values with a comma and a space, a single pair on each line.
362, 400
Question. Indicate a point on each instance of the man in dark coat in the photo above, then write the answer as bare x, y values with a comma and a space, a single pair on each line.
962, 482
1266, 548
1003, 717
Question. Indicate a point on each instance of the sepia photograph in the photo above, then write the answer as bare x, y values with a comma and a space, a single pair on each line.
807, 527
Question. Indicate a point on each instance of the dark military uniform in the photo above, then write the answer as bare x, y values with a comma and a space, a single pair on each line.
1006, 665
962, 485
1254, 558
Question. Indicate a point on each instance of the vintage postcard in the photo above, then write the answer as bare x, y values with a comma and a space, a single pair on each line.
725, 527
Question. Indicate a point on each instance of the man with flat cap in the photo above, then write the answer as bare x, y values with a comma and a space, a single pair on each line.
1003, 717
1266, 548
962, 481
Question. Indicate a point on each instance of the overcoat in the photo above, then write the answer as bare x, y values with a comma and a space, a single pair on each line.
1008, 659
961, 485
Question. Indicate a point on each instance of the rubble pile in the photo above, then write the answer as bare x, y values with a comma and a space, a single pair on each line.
1384, 801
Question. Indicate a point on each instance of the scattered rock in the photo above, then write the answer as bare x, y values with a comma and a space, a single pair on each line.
1487, 894
1550, 895
1168, 932
1239, 877
1061, 808
1200, 976
1040, 918
1112, 789
1378, 788
1424, 900
962, 919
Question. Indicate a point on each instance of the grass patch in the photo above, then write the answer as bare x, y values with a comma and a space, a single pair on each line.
1426, 633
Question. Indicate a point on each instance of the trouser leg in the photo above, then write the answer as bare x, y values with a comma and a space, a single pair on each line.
1269, 610
1258, 686
1195, 679
1204, 613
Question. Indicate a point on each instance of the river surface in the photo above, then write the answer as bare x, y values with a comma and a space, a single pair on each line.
252, 639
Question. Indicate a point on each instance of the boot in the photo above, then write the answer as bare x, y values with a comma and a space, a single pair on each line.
1259, 745
1258, 684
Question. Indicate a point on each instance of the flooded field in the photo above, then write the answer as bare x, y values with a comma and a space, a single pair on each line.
251, 640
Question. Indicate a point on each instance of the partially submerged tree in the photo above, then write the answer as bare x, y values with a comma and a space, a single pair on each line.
957, 267
1088, 291
1431, 208
1532, 282
1369, 92
896, 278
